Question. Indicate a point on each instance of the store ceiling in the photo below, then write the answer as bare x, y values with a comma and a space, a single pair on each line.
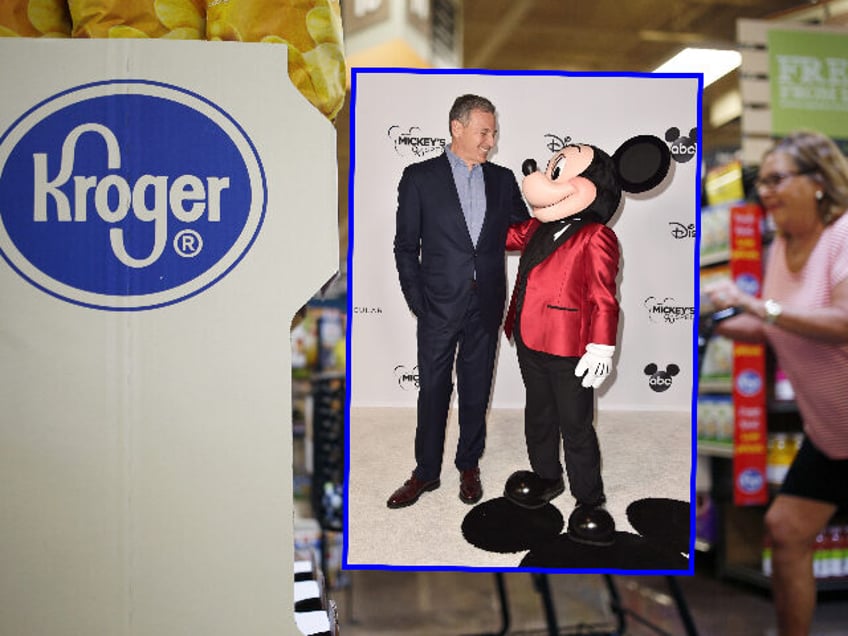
612, 35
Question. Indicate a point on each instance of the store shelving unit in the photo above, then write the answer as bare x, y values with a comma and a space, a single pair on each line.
739, 530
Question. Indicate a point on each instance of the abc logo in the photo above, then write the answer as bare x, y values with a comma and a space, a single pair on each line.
682, 148
127, 195
658, 380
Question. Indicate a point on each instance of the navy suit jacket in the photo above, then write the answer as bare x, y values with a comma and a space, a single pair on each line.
435, 257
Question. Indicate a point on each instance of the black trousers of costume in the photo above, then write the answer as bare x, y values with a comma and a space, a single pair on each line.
473, 347
558, 407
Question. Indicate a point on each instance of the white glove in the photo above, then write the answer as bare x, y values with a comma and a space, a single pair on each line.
596, 363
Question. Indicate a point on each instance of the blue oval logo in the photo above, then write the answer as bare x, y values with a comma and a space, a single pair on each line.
750, 481
748, 283
127, 194
749, 382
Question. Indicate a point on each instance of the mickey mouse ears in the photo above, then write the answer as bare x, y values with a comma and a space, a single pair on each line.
642, 163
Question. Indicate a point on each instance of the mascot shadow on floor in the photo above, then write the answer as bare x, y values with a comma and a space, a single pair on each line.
564, 316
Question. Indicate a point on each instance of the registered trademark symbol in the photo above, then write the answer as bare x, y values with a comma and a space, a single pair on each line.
188, 243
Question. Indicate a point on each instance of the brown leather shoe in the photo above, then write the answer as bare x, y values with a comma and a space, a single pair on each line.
470, 488
411, 490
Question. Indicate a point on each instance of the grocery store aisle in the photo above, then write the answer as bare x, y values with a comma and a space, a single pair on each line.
453, 603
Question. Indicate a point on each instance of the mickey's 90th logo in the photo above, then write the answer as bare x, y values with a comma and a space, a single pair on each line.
406, 378
413, 141
127, 194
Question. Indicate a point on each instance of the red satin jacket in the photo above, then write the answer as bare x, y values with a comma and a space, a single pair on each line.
570, 299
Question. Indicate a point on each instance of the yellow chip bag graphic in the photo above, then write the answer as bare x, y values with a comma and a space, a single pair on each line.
174, 19
312, 31
34, 18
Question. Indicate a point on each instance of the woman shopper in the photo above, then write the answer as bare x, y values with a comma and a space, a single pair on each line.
803, 315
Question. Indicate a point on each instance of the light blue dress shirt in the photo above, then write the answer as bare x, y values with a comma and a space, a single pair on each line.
472, 193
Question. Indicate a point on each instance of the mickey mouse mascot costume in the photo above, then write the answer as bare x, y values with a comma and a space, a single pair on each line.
564, 316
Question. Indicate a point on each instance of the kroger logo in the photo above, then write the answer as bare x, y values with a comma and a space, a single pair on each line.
750, 481
749, 383
127, 194
748, 283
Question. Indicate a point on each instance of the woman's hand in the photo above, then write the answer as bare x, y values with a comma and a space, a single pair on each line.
725, 293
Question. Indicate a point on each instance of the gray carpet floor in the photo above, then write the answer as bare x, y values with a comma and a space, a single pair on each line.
644, 453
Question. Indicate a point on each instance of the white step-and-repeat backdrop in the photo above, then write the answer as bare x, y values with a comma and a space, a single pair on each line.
401, 117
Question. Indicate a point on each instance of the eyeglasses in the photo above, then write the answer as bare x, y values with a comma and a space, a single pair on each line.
773, 180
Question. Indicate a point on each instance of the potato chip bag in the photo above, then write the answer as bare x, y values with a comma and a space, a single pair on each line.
34, 18
178, 19
312, 31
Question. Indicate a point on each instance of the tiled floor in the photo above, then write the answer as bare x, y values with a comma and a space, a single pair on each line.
430, 603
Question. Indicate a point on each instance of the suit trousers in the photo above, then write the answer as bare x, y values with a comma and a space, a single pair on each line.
558, 407
473, 347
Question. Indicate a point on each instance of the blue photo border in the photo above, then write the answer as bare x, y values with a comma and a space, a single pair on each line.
355, 73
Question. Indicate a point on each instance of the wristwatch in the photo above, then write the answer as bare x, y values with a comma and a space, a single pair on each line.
773, 311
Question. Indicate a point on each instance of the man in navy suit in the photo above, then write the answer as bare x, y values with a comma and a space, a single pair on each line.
452, 218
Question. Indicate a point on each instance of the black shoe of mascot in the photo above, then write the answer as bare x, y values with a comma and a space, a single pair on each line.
526, 489
591, 525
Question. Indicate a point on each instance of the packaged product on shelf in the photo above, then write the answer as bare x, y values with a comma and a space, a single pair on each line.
779, 456
312, 31
726, 418
844, 553
706, 418
35, 18
718, 359
715, 418
829, 555
723, 183
766, 556
833, 551
307, 535
705, 518
715, 224
819, 561
173, 19
783, 390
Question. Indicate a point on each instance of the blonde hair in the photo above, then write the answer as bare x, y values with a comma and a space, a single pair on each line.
819, 157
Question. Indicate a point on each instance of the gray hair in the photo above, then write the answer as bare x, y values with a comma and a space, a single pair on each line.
817, 155
464, 104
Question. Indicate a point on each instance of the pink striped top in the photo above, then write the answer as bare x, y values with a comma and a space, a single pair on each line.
817, 370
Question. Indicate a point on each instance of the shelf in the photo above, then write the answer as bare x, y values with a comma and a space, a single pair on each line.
782, 406
715, 258
721, 385
747, 574
715, 449
754, 576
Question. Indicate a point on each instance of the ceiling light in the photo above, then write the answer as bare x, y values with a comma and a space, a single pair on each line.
713, 63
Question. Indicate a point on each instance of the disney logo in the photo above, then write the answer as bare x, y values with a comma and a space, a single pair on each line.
681, 231
555, 142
